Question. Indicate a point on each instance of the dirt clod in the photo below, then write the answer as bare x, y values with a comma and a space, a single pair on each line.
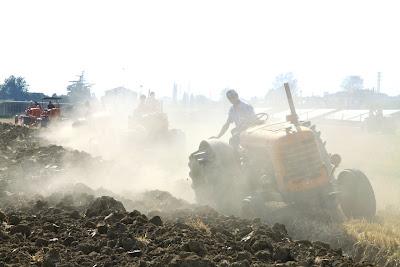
156, 220
20, 228
3, 217
103, 206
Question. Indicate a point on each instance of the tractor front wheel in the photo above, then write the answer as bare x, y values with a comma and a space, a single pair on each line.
356, 195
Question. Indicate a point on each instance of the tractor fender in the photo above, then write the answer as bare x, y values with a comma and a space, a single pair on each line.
214, 171
222, 152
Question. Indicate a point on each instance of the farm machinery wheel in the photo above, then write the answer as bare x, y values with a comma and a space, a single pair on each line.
214, 170
44, 122
23, 120
356, 197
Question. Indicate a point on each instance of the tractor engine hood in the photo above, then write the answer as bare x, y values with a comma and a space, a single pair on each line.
294, 153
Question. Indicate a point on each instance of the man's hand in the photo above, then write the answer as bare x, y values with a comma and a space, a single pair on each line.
225, 127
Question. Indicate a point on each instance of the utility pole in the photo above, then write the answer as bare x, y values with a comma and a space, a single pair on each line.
378, 83
175, 93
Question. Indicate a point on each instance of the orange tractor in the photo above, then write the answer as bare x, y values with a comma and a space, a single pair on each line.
37, 116
283, 163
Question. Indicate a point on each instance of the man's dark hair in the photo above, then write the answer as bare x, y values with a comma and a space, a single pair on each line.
231, 93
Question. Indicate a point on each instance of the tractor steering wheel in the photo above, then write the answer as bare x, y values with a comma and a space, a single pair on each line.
262, 116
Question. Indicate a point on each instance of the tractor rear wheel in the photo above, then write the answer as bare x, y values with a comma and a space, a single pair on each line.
356, 197
44, 122
214, 171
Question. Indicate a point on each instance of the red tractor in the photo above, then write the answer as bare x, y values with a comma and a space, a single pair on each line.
37, 116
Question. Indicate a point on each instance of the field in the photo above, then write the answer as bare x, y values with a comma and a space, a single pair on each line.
377, 241
377, 155
71, 224
6, 120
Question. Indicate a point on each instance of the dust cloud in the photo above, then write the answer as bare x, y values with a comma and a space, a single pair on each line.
132, 163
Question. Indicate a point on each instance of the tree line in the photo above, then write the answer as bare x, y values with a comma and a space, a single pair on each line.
15, 88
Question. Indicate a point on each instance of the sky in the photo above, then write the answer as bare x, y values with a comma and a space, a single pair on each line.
203, 46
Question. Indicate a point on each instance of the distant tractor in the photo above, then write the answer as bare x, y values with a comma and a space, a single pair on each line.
37, 116
377, 123
283, 162
154, 128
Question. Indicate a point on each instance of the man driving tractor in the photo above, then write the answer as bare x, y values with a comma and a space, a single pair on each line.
153, 105
50, 105
34, 104
241, 113
141, 108
147, 105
